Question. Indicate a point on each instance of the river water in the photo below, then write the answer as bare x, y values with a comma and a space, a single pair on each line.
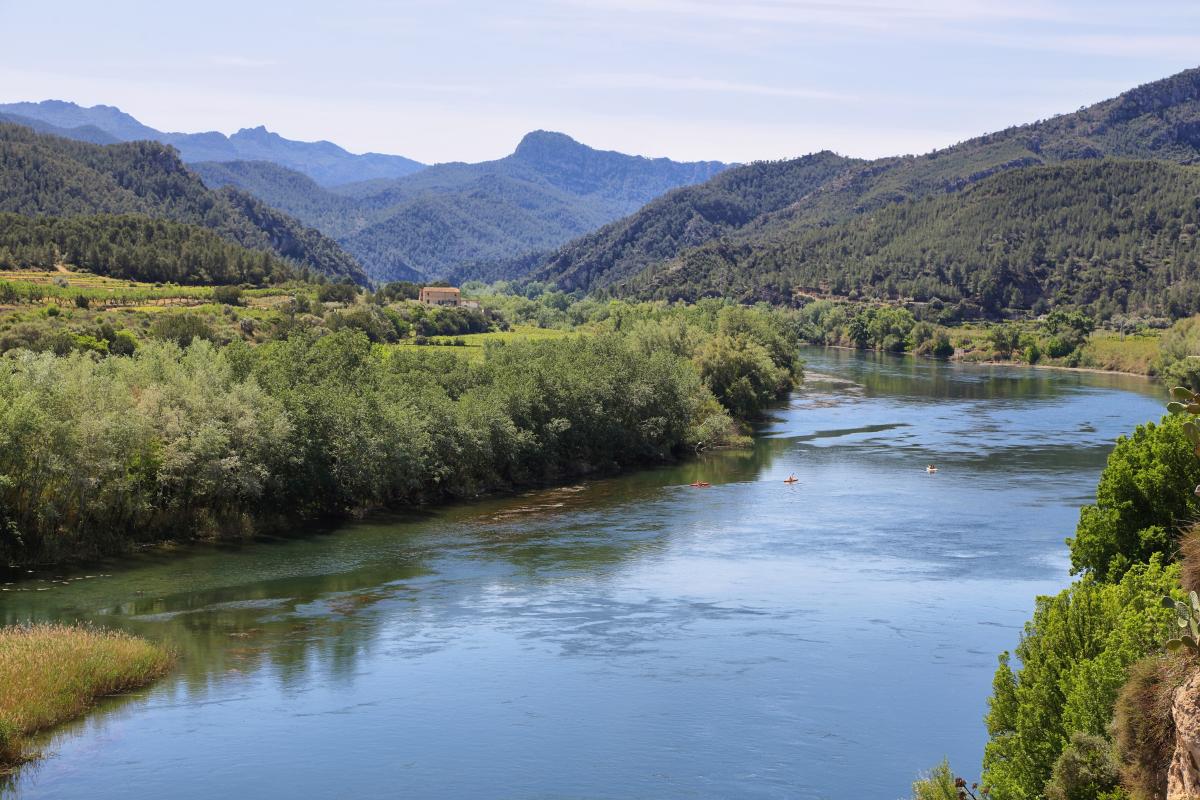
629, 637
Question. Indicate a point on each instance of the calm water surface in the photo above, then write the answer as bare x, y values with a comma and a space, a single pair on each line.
623, 638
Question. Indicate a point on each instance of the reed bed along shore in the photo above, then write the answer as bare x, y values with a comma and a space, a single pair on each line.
53, 673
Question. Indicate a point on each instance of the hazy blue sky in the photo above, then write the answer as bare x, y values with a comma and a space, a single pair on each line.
689, 79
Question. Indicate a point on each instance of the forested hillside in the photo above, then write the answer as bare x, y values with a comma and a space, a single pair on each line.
325, 162
48, 176
1113, 235
134, 247
687, 217
1160, 120
470, 218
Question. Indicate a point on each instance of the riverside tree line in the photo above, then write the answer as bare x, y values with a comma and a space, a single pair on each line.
98, 453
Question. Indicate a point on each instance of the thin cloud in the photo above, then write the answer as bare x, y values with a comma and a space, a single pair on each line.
243, 62
626, 80
868, 14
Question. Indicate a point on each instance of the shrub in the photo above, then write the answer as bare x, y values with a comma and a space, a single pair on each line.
227, 295
1086, 770
182, 329
337, 293
1073, 660
1145, 498
1143, 726
942, 347
122, 343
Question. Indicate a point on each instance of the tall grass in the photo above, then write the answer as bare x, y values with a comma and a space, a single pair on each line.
52, 673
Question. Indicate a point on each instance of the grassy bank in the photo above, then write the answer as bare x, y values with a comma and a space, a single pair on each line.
52, 673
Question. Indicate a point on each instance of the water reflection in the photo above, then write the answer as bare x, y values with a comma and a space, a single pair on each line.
624, 637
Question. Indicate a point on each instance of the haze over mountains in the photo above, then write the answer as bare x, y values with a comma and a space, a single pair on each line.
459, 217
49, 177
399, 219
324, 162
957, 225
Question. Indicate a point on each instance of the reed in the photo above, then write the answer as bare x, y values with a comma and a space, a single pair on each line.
53, 673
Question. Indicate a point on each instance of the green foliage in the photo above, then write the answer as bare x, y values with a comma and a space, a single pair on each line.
181, 437
1145, 496
938, 784
45, 176
1005, 339
133, 247
182, 329
337, 293
227, 295
1086, 770
943, 348
1074, 658
1187, 618
1179, 354
1114, 236
478, 220
685, 218
1027, 216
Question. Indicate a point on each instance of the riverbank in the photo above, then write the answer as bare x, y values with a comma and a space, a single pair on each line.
53, 673
468, 622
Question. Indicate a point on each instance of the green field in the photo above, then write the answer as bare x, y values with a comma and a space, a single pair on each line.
473, 343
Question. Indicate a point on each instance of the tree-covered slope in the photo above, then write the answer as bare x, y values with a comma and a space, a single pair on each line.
1110, 234
325, 162
134, 247
684, 218
433, 222
1160, 120
50, 176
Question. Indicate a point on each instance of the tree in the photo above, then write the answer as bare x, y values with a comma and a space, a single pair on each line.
1145, 496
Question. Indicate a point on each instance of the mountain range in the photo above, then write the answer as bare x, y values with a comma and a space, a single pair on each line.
324, 162
752, 232
397, 217
49, 177
461, 217
1093, 208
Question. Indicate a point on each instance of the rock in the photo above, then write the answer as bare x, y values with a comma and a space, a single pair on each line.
1183, 777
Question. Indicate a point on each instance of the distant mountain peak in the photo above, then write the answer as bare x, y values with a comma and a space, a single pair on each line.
323, 161
540, 143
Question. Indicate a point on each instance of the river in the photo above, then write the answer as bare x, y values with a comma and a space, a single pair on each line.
630, 637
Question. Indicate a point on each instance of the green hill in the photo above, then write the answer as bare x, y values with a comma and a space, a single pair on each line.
1160, 120
1112, 235
48, 176
463, 217
685, 218
325, 162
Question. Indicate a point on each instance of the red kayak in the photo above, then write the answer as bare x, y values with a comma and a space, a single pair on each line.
701, 484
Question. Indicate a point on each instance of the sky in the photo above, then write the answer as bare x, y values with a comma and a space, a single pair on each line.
687, 79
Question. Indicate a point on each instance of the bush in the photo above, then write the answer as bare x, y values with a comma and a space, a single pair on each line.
1143, 726
227, 295
1074, 659
942, 347
1144, 500
1086, 770
81, 301
337, 293
937, 784
122, 343
182, 329
1058, 347
1179, 354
